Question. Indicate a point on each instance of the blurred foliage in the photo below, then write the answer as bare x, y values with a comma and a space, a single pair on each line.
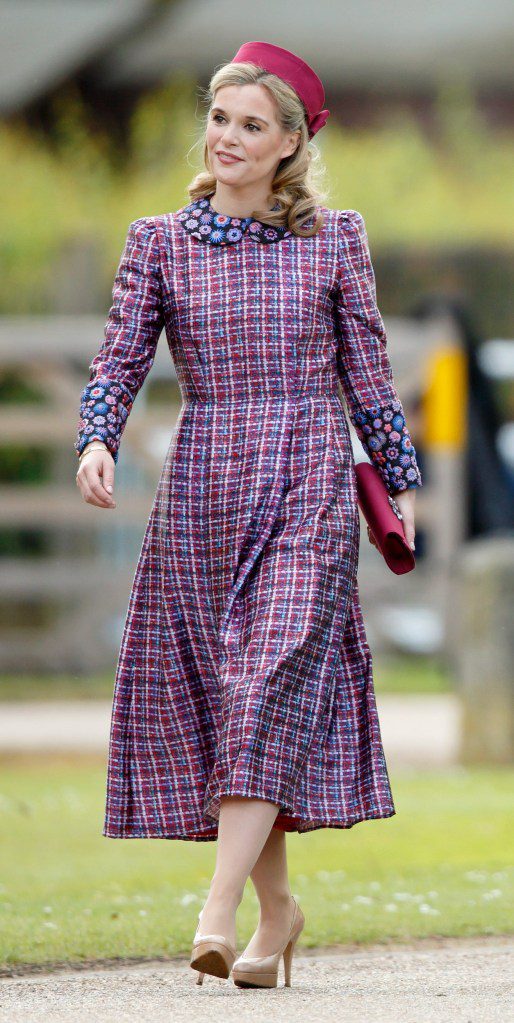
23, 463
16, 389
444, 187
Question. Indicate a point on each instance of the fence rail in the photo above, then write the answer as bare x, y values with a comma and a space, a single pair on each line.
90, 554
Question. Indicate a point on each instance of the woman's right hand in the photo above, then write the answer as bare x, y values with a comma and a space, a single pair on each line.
95, 478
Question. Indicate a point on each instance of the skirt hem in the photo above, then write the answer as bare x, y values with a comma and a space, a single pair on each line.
312, 825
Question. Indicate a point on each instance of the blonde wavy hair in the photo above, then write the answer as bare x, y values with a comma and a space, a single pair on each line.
298, 183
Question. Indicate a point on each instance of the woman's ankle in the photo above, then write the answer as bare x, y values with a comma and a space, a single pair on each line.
275, 904
226, 897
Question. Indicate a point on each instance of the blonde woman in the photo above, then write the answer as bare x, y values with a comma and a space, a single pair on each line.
244, 705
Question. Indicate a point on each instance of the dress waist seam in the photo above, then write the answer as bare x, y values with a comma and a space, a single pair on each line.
261, 398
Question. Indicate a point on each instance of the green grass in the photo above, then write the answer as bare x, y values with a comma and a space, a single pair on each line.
442, 865
392, 675
408, 674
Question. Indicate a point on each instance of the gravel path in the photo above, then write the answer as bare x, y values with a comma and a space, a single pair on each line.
432, 981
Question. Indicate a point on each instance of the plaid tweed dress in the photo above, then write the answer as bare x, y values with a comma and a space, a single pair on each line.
244, 667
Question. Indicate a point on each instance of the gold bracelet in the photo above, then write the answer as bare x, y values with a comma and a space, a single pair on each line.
99, 447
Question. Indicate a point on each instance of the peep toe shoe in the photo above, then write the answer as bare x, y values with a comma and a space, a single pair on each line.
212, 954
262, 971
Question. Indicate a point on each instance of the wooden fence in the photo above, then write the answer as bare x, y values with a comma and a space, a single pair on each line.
63, 610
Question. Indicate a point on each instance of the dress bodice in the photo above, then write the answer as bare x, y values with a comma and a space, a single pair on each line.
252, 322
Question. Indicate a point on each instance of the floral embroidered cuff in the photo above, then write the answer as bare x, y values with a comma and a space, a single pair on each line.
104, 410
383, 433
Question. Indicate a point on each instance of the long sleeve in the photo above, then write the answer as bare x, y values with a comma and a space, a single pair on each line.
133, 327
364, 369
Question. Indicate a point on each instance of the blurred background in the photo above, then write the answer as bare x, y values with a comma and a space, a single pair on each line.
100, 123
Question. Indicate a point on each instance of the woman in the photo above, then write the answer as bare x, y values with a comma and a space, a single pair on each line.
244, 704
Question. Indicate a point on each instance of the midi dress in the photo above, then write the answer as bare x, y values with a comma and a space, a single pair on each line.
244, 667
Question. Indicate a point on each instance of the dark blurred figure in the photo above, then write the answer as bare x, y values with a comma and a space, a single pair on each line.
489, 481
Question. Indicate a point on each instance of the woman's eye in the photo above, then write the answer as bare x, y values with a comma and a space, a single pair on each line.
250, 124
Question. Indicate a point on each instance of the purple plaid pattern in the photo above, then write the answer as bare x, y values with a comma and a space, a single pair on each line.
135, 321
364, 368
244, 667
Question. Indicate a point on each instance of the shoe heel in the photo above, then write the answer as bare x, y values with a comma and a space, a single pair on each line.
288, 960
289, 950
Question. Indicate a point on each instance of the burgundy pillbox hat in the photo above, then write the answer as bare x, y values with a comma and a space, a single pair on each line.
293, 70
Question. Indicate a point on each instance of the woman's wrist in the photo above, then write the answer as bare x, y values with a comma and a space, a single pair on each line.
93, 445
94, 441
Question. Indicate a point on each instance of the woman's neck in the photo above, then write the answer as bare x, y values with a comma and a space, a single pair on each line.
231, 204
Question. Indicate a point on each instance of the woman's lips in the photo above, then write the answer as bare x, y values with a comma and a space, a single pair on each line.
228, 159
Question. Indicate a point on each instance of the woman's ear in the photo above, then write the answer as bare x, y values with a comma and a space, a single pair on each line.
294, 141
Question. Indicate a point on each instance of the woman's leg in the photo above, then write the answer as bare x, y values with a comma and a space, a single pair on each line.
244, 826
271, 882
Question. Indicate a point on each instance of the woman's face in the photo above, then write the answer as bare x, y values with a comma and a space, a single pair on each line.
242, 123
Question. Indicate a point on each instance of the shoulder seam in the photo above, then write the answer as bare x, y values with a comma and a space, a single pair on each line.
353, 216
150, 239
148, 222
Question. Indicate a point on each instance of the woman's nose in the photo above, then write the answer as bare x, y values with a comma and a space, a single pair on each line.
229, 138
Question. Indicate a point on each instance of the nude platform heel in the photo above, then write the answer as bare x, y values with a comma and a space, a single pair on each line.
262, 971
212, 954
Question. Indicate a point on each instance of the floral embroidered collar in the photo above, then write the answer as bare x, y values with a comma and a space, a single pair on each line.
201, 221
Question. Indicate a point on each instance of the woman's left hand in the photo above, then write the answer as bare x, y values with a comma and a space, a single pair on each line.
405, 499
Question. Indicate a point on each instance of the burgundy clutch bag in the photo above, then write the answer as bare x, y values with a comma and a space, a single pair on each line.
384, 518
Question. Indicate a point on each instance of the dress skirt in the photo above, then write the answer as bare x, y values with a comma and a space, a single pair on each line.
244, 667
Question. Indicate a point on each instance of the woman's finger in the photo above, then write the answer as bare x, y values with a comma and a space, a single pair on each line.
372, 540
409, 530
108, 476
406, 501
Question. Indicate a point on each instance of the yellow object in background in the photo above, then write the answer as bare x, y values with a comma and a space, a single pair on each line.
445, 400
